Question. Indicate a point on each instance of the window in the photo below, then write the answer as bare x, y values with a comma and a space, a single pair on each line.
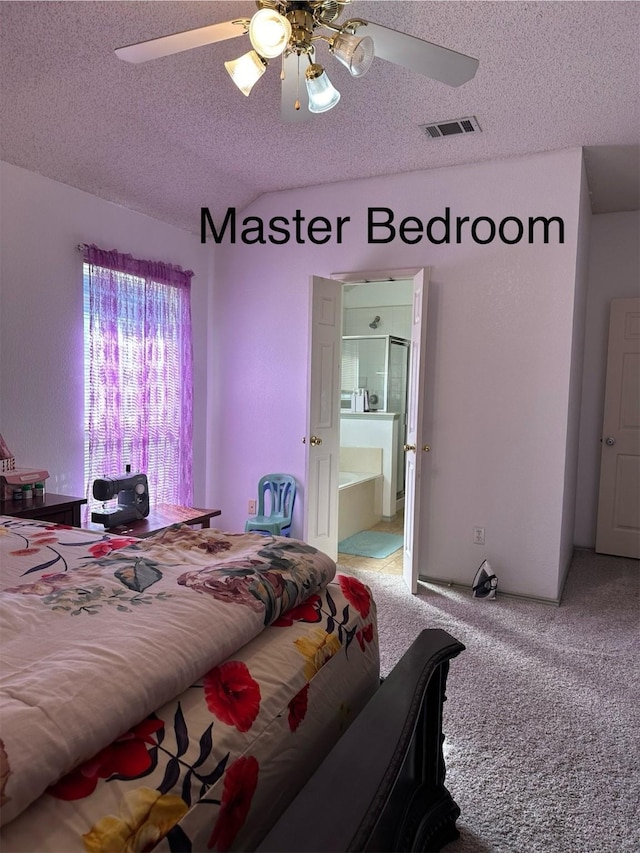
138, 373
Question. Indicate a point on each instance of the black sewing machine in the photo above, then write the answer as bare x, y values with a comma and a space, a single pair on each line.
132, 491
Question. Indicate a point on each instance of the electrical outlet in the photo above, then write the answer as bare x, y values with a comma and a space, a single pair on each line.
478, 535
252, 507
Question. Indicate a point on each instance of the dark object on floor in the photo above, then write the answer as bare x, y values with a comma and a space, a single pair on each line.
485, 583
382, 786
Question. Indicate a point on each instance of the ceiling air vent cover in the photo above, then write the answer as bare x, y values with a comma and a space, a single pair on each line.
453, 127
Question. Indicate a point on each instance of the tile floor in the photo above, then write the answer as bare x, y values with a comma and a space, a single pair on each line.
391, 565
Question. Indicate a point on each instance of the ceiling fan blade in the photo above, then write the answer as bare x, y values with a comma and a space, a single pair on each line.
423, 57
292, 91
176, 43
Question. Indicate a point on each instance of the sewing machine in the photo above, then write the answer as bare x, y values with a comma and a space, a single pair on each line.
132, 491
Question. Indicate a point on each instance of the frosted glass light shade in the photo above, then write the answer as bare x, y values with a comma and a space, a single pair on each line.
323, 95
246, 71
269, 33
353, 52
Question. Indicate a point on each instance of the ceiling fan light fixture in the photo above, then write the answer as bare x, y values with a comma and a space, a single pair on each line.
323, 95
246, 70
269, 32
354, 52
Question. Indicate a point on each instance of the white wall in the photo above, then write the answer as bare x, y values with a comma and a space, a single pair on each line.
614, 272
41, 347
499, 354
575, 380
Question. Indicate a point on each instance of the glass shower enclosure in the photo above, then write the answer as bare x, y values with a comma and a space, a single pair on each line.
379, 364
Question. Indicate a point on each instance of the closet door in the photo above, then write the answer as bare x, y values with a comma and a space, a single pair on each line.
618, 528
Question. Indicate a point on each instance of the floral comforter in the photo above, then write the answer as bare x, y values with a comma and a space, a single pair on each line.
214, 768
98, 632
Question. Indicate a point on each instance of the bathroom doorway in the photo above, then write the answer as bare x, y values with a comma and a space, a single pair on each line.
323, 413
377, 321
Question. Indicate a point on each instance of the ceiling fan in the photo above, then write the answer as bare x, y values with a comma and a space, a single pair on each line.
291, 30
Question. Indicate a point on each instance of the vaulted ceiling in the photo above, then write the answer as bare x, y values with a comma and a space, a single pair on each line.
174, 134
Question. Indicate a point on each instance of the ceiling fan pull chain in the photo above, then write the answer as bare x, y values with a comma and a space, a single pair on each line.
297, 103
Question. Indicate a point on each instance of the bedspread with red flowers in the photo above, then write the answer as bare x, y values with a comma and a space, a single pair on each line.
213, 768
99, 631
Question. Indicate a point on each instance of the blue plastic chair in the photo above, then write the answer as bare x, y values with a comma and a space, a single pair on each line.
281, 491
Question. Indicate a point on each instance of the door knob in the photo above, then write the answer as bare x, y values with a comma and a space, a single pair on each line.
610, 440
314, 441
409, 447
426, 448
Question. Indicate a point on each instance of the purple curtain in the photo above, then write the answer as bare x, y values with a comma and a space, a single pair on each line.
139, 384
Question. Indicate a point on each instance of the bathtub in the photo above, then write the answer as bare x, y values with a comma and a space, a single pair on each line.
359, 502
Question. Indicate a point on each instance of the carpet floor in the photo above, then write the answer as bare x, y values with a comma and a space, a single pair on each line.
371, 543
543, 709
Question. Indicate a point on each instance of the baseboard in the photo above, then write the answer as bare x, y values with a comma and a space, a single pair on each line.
555, 602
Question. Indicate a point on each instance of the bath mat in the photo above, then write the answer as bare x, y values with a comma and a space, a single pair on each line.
371, 543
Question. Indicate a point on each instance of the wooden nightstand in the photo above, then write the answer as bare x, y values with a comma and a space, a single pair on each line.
59, 509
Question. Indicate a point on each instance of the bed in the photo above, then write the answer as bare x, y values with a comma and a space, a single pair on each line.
183, 692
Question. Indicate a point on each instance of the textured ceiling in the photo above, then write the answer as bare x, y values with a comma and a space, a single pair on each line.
174, 134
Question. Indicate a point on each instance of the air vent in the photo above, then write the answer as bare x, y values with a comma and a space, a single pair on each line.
454, 127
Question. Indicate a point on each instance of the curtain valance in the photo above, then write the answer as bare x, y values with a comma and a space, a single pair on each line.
155, 270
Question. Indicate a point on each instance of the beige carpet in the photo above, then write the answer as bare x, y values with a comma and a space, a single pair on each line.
543, 713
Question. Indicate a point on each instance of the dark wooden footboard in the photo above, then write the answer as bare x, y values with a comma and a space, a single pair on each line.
381, 788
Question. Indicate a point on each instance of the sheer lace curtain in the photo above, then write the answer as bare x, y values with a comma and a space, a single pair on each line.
138, 373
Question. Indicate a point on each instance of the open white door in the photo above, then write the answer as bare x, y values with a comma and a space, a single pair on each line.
618, 527
414, 447
323, 422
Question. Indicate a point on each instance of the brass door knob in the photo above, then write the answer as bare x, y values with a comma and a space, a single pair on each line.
409, 447
427, 448
314, 441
